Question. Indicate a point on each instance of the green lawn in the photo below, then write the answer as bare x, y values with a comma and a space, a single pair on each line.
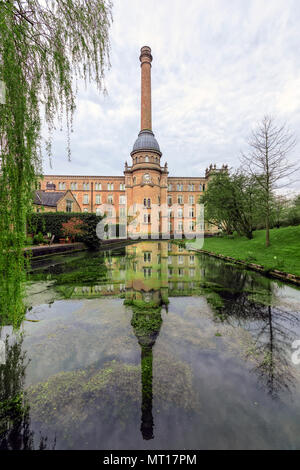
282, 254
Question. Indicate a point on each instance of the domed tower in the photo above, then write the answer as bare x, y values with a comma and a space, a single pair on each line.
145, 179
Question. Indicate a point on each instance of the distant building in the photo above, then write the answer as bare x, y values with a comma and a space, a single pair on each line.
52, 201
146, 184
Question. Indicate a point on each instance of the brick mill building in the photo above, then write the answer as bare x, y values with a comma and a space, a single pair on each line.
145, 196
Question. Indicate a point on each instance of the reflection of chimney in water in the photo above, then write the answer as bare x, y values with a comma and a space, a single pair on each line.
147, 423
146, 327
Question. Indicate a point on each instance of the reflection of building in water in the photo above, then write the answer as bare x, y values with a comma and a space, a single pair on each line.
149, 271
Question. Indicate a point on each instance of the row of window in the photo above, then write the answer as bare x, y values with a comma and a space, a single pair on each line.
180, 258
98, 199
146, 159
179, 227
180, 200
110, 186
171, 272
180, 213
87, 186
181, 272
191, 187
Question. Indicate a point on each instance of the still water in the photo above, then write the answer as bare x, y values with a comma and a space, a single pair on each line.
152, 346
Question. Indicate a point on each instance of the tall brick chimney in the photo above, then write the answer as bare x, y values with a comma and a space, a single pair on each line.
146, 59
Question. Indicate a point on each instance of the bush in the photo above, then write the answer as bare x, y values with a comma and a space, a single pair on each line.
38, 239
51, 222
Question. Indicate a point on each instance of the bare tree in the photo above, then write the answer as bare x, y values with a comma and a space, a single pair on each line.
266, 160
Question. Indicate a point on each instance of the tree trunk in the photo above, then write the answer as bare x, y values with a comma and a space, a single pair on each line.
267, 231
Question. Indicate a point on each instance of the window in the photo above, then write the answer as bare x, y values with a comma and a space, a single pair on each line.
85, 199
98, 198
191, 200
110, 186
191, 212
180, 213
169, 200
146, 158
98, 186
192, 272
147, 202
170, 226
180, 199
204, 187
110, 199
74, 186
169, 187
61, 186
192, 259
191, 187
98, 211
147, 272
122, 212
192, 226
122, 186
180, 259
147, 256
181, 272
109, 212
122, 200
180, 248
180, 225
179, 187
170, 272
169, 213
147, 218
200, 187
170, 260
86, 186
180, 286
69, 205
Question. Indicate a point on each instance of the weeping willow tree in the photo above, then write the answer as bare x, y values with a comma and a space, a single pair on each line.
45, 48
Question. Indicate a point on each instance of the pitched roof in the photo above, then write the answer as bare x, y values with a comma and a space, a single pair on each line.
43, 198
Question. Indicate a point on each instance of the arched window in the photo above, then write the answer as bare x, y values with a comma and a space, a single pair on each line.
147, 159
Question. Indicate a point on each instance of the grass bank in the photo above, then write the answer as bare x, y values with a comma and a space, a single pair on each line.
283, 253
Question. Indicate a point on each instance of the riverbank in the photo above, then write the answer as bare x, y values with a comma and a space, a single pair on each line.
282, 257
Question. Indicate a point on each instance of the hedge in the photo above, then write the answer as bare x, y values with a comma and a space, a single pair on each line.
51, 222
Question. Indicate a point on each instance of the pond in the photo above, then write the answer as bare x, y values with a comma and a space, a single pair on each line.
151, 346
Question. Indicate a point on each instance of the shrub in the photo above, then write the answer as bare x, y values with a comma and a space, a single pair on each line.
38, 239
52, 222
74, 228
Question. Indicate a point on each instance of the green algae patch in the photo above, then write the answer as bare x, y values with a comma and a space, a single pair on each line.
73, 397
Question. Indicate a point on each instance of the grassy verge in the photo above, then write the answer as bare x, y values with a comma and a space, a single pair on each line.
283, 253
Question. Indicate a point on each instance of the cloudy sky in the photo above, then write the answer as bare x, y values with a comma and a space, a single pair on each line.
218, 67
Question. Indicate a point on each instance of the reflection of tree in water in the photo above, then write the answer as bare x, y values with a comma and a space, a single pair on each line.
146, 324
15, 433
247, 301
